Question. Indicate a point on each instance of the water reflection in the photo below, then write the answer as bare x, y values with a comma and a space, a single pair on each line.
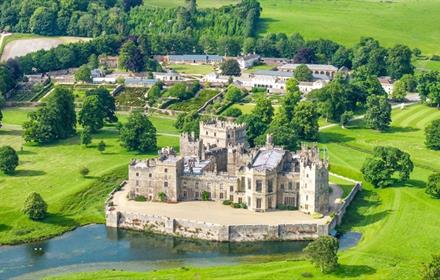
96, 247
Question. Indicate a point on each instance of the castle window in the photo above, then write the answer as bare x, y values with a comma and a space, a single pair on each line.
258, 203
259, 186
270, 186
137, 183
307, 197
282, 187
231, 198
150, 175
290, 186
137, 174
197, 195
221, 195
307, 175
165, 184
249, 201
197, 185
240, 200
231, 188
206, 132
249, 183
297, 185
166, 170
215, 134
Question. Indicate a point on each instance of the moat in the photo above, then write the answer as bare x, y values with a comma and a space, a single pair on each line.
96, 247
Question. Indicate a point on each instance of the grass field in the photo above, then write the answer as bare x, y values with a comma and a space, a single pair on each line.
399, 224
411, 22
192, 69
426, 65
53, 171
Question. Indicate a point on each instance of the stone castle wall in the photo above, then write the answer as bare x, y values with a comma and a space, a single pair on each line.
214, 232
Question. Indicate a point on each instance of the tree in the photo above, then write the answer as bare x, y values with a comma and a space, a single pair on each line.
304, 55
303, 73
323, 253
84, 171
101, 146
138, 134
433, 185
8, 160
369, 53
93, 61
432, 135
83, 74
188, 122
378, 115
263, 110
399, 61
426, 80
305, 121
230, 67
56, 119
130, 57
365, 84
232, 112
91, 114
410, 82
233, 94
399, 91
346, 117
43, 21
283, 135
35, 207
255, 127
431, 271
385, 163
86, 136
342, 57
107, 102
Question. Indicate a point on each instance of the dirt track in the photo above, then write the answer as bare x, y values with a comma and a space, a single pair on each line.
24, 46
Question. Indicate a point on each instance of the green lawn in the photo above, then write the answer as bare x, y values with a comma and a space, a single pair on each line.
426, 65
192, 69
399, 224
53, 171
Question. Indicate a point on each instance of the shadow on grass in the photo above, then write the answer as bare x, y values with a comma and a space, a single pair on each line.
59, 220
4, 227
414, 183
28, 173
345, 271
263, 24
399, 129
12, 132
25, 152
333, 137
355, 215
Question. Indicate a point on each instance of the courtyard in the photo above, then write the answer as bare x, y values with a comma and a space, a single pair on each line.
217, 213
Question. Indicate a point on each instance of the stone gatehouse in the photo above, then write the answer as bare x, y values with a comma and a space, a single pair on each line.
219, 164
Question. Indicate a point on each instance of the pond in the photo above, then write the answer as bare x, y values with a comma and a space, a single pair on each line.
96, 247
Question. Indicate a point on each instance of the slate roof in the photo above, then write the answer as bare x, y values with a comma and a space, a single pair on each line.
268, 159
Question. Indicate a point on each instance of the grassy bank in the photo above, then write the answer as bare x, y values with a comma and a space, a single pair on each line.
399, 224
53, 171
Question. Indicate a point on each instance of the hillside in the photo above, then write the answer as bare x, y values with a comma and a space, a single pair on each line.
411, 22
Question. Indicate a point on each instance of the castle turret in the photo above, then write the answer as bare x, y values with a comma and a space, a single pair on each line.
314, 187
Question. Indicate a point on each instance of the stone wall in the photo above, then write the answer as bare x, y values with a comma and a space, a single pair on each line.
214, 232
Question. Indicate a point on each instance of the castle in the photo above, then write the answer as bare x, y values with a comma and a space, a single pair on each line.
219, 165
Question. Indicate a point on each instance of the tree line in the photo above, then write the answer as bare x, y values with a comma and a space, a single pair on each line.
92, 18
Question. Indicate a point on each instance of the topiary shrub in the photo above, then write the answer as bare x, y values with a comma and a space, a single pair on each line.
236, 205
227, 202
162, 196
205, 196
84, 171
35, 207
8, 160
140, 198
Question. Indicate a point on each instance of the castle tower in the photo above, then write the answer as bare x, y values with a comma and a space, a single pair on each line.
191, 146
222, 134
314, 187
